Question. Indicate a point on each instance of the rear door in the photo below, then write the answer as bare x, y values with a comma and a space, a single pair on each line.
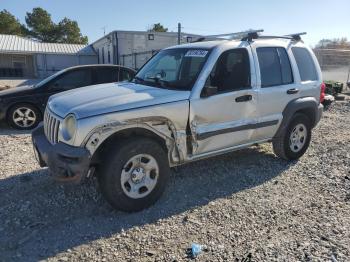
277, 86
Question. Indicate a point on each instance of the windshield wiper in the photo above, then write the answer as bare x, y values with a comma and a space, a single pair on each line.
159, 81
139, 79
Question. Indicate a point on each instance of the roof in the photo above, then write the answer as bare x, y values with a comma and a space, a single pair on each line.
174, 34
18, 44
233, 43
204, 44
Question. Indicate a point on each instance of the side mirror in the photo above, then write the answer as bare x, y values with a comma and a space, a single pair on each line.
209, 91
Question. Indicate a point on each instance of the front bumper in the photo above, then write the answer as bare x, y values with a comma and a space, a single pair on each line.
66, 163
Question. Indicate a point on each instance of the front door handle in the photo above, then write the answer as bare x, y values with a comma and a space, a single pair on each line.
292, 91
244, 98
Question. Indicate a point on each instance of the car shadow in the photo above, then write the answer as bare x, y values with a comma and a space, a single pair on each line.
41, 218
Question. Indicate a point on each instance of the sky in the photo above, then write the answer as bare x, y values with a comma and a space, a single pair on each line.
319, 18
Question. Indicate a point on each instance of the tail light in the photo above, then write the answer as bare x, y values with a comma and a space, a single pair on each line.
323, 90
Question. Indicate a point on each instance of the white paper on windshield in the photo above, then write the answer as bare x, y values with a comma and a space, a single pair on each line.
196, 53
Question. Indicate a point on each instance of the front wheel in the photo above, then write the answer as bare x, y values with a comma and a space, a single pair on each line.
134, 175
295, 140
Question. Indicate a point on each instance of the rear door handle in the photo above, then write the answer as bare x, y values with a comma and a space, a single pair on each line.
292, 91
244, 98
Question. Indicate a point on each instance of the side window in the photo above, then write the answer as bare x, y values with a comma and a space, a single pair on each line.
72, 79
275, 68
106, 75
305, 64
231, 71
125, 75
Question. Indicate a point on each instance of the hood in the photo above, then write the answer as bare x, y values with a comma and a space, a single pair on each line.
106, 98
16, 91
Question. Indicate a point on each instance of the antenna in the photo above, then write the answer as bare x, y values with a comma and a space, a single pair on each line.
104, 29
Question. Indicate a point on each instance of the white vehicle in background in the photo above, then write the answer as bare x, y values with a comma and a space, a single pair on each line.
188, 102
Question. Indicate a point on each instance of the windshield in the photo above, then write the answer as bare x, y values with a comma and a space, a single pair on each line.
173, 68
43, 82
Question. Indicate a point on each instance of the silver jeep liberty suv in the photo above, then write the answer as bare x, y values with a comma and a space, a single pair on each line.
188, 102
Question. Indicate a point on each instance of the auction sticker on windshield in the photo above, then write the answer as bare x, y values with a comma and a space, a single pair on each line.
196, 53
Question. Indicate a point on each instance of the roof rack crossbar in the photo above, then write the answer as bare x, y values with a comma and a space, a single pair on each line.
231, 36
295, 37
250, 35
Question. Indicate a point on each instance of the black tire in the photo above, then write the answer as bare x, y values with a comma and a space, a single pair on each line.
282, 145
109, 175
21, 125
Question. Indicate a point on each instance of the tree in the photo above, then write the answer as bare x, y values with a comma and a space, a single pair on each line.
336, 43
158, 28
10, 25
40, 25
69, 32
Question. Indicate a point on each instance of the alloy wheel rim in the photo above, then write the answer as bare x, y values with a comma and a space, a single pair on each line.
24, 117
298, 137
139, 176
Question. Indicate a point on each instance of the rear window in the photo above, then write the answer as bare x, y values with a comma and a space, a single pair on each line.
275, 66
306, 66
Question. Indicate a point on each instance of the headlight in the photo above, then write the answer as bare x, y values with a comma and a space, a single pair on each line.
69, 127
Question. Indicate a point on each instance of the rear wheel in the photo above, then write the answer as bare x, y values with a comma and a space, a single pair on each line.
23, 116
295, 140
134, 174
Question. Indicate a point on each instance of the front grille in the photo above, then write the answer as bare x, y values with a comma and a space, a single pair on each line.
51, 126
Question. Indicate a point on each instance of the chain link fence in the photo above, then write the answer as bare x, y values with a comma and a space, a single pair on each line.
335, 64
136, 60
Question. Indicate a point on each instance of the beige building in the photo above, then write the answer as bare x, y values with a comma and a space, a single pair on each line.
134, 48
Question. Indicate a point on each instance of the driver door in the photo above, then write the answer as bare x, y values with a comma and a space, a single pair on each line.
227, 118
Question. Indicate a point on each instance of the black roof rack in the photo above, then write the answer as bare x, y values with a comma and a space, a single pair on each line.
295, 37
230, 36
249, 36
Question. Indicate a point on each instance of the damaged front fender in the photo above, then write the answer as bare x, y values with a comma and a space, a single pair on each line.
175, 141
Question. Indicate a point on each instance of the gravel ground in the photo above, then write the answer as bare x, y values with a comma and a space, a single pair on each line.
244, 206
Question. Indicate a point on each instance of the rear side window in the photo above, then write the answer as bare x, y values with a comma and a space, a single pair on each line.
106, 75
125, 75
275, 68
305, 64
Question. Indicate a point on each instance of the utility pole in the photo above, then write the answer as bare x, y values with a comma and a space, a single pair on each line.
178, 33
